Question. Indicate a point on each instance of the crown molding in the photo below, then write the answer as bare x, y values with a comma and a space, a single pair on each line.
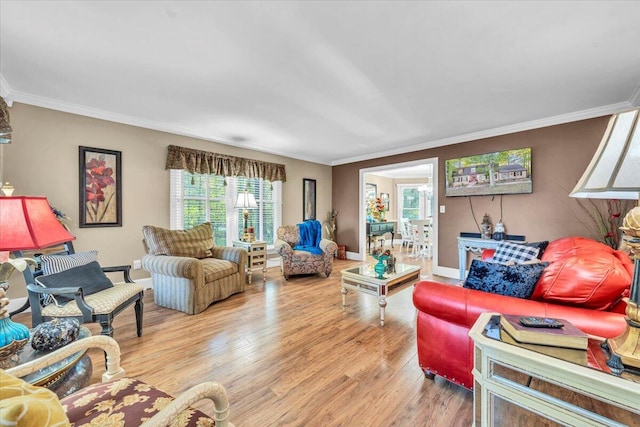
5, 91
635, 97
53, 104
519, 127
10, 96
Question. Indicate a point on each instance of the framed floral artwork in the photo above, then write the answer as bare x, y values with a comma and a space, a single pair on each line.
100, 188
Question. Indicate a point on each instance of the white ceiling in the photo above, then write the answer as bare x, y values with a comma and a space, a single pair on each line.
330, 82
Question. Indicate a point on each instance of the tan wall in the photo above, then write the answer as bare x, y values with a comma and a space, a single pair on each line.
560, 155
43, 160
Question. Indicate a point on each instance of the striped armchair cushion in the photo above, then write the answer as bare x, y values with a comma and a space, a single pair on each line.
195, 242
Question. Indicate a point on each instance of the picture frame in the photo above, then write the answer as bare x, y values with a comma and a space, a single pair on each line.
100, 190
501, 172
384, 197
370, 191
308, 199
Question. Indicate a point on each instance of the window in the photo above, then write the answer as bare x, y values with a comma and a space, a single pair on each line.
199, 198
414, 201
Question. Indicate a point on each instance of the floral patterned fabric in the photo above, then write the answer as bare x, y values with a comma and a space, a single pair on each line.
124, 402
302, 262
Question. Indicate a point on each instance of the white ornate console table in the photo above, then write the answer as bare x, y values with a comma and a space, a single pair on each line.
474, 245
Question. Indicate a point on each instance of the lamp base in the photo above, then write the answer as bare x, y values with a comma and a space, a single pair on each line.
624, 350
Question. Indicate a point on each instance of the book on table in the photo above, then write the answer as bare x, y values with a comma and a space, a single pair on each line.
568, 336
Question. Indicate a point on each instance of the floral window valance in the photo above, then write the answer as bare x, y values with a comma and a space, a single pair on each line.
203, 162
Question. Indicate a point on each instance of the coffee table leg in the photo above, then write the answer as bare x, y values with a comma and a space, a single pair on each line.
344, 297
382, 302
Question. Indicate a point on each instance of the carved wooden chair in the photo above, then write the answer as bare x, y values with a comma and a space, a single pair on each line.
115, 401
84, 303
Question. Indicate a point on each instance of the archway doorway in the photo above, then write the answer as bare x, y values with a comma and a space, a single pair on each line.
421, 175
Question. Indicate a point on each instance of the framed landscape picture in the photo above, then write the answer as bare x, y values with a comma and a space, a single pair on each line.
100, 188
502, 172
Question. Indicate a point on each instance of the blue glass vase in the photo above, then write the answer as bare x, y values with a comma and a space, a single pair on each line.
380, 268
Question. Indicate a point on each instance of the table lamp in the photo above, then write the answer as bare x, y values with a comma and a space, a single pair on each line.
613, 174
26, 223
246, 201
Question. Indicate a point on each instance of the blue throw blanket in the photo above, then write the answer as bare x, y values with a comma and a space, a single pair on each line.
310, 236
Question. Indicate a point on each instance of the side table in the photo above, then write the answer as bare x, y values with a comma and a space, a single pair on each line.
517, 384
257, 252
64, 377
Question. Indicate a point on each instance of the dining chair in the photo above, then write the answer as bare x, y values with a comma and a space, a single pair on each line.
422, 238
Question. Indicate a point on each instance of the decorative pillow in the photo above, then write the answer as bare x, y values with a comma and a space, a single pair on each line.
195, 242
23, 404
542, 246
516, 280
54, 334
89, 277
507, 251
52, 264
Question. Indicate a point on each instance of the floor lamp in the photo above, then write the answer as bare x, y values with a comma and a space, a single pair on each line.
613, 174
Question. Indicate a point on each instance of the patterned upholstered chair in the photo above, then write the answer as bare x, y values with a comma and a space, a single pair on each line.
302, 262
188, 271
114, 401
73, 285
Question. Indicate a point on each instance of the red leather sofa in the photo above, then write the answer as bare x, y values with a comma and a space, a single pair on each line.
584, 283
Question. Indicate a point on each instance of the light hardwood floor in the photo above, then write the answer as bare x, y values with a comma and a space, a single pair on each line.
289, 355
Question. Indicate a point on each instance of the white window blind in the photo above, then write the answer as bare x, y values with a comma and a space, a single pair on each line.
196, 198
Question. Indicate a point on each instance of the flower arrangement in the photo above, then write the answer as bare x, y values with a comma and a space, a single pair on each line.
380, 253
376, 209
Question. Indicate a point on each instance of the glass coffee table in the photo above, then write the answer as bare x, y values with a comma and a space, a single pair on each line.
364, 279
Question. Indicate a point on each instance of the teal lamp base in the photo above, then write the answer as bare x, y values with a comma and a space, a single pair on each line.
13, 336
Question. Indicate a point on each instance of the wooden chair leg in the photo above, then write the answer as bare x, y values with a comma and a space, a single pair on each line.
138, 307
107, 329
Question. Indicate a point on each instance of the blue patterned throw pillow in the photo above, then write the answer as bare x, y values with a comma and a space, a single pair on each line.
510, 280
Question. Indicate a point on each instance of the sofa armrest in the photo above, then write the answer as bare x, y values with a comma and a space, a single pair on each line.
283, 248
328, 246
212, 391
237, 255
185, 267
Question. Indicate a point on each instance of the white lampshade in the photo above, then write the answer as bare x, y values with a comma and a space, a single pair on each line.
614, 171
245, 200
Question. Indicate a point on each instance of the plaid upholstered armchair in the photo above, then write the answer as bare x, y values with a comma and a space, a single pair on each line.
188, 271
302, 262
